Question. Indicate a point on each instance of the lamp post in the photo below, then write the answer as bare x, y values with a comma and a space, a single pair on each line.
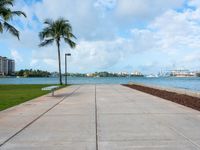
67, 54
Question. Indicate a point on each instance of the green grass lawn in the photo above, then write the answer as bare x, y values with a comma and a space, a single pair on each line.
11, 95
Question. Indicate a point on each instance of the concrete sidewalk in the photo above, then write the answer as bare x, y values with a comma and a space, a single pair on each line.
101, 117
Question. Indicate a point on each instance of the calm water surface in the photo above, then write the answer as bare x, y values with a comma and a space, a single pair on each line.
184, 83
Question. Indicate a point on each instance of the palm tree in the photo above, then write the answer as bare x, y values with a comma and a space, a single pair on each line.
7, 14
55, 31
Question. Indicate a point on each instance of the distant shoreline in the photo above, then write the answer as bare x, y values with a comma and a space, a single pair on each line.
104, 77
22, 77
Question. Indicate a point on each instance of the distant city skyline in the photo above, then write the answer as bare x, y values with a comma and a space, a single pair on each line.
119, 35
175, 72
7, 66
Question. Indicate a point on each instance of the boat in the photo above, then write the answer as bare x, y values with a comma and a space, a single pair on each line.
152, 76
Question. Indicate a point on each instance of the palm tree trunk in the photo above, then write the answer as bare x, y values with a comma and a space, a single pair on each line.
59, 61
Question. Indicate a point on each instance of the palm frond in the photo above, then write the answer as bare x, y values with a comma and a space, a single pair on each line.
68, 26
46, 42
57, 30
5, 13
46, 33
6, 3
48, 22
71, 43
70, 35
11, 29
42, 36
62, 20
18, 13
1, 27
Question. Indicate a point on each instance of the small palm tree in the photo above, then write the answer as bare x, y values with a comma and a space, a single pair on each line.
7, 14
55, 31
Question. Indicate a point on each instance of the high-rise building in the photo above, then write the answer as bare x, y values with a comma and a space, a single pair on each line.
11, 66
7, 66
1, 65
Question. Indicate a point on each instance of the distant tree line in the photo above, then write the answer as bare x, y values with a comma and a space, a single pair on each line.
32, 73
76, 74
110, 74
99, 74
105, 74
96, 74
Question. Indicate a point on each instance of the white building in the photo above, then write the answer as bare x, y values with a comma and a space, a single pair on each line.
123, 73
182, 73
7, 66
136, 73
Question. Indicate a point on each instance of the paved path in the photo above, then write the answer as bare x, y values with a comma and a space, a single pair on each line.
101, 117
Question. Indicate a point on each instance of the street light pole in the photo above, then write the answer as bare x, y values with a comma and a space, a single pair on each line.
68, 54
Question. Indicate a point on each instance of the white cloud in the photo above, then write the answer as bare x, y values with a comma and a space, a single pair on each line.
99, 19
107, 36
144, 9
194, 3
33, 62
105, 4
51, 62
85, 18
176, 31
96, 54
192, 58
16, 56
88, 55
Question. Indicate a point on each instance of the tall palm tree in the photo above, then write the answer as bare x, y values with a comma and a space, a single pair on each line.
6, 14
56, 31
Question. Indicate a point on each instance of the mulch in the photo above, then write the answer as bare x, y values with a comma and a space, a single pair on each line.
186, 100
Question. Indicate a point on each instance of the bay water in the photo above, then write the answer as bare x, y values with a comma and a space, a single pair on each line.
189, 83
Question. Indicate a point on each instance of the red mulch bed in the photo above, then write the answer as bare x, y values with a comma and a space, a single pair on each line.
189, 101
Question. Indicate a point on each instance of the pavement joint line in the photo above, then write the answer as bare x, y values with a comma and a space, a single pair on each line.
175, 130
30, 123
138, 140
168, 126
96, 119
146, 113
185, 137
179, 133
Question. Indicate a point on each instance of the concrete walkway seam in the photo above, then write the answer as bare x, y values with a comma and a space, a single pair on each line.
96, 119
26, 126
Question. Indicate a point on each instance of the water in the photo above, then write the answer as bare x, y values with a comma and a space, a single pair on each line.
192, 83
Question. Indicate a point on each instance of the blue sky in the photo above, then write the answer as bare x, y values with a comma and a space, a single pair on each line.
113, 35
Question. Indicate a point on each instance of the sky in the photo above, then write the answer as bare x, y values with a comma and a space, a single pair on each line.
112, 35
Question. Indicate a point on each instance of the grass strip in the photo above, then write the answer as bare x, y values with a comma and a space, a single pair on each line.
12, 95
